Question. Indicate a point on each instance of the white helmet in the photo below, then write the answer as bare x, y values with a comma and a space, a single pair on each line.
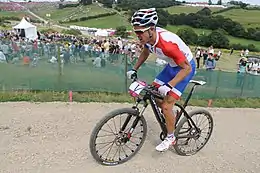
145, 17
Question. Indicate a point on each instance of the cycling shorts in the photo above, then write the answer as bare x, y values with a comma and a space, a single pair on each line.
168, 73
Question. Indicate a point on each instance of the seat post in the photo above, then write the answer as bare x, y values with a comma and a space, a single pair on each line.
189, 96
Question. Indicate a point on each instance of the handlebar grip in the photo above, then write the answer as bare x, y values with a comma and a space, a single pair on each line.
134, 77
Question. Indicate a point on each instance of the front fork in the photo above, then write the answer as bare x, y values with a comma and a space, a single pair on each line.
135, 122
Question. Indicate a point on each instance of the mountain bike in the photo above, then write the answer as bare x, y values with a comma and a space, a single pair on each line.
131, 132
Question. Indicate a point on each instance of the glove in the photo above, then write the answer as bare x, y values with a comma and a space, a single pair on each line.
132, 74
164, 89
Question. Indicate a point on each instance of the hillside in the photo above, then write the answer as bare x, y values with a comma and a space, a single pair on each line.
187, 9
248, 18
69, 12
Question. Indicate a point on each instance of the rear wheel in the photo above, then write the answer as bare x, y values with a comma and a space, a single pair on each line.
112, 141
188, 140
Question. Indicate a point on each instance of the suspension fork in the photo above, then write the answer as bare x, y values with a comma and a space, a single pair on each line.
138, 117
135, 122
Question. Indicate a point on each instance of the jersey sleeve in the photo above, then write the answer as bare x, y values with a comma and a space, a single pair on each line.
172, 51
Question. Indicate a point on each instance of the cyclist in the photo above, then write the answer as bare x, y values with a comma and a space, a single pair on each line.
175, 76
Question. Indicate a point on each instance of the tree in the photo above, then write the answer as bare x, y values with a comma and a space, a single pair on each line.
219, 2
188, 36
85, 2
107, 3
210, 2
217, 39
121, 31
205, 11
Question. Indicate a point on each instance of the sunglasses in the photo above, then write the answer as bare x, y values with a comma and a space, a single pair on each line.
141, 31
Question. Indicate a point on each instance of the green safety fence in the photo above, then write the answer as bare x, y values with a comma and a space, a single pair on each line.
83, 76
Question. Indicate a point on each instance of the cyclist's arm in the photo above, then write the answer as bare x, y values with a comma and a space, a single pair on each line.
174, 52
142, 58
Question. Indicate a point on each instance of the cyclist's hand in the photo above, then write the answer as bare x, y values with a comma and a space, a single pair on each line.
164, 89
132, 74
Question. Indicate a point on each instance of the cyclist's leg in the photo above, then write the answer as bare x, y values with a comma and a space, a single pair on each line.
164, 75
169, 101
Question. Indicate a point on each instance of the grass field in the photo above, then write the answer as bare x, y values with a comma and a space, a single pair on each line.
19, 14
105, 22
187, 9
50, 96
74, 12
248, 18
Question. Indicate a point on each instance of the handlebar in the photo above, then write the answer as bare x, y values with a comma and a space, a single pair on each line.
154, 91
150, 89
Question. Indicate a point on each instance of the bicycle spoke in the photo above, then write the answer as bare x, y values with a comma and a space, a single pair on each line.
110, 149
105, 142
203, 127
124, 151
136, 137
106, 135
119, 153
114, 124
136, 144
106, 149
129, 148
116, 152
195, 140
111, 129
106, 131
113, 150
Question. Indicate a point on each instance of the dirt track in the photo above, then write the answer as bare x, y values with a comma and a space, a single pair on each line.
54, 138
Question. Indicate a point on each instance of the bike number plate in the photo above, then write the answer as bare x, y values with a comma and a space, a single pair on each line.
136, 87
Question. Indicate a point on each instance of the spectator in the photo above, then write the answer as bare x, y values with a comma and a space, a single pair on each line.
210, 62
205, 57
197, 56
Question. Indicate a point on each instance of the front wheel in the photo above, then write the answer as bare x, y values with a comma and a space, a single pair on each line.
118, 137
188, 140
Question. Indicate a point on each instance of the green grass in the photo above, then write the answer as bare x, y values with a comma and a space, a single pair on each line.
49, 96
235, 40
187, 9
248, 18
104, 22
175, 28
19, 14
76, 12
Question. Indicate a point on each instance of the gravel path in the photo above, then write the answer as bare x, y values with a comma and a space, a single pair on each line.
54, 138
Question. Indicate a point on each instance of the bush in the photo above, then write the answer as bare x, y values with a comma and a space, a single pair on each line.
50, 30
188, 36
89, 17
61, 6
217, 39
71, 32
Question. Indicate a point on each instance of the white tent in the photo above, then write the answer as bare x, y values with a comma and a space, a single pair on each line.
102, 33
30, 31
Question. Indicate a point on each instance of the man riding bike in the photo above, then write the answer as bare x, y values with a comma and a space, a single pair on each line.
176, 75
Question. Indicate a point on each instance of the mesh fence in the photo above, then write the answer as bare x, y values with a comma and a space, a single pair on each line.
39, 70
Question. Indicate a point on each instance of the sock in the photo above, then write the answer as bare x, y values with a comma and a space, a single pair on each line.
171, 135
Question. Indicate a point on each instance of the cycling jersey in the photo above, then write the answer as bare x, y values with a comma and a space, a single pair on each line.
170, 47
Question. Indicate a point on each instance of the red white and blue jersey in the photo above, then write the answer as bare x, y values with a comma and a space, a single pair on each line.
170, 47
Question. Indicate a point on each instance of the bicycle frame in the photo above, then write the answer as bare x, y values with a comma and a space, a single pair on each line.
159, 117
